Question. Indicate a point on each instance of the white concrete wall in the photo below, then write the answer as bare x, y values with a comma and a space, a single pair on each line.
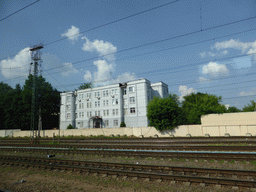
8, 132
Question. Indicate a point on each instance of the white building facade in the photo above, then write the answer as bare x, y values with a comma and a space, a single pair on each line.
108, 106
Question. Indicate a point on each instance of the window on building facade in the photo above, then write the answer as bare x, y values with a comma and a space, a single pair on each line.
79, 105
104, 93
82, 114
116, 101
132, 110
82, 96
116, 91
98, 113
106, 123
68, 98
106, 102
125, 91
68, 107
115, 122
107, 112
82, 105
90, 104
88, 114
113, 91
104, 112
98, 103
131, 89
68, 115
89, 95
132, 99
113, 101
114, 111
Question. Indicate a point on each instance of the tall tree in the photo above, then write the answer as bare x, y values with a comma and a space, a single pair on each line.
249, 107
85, 86
196, 105
164, 113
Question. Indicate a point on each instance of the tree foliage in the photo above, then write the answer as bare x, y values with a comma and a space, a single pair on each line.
233, 110
85, 86
164, 113
15, 104
249, 107
196, 105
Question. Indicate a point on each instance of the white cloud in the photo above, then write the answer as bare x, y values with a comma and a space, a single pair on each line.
72, 33
88, 76
103, 48
235, 44
68, 69
202, 79
127, 76
104, 70
17, 66
251, 92
185, 91
211, 54
215, 69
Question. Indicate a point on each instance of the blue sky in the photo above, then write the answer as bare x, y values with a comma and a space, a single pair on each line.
193, 46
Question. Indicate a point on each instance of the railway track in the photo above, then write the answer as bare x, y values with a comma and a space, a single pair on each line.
142, 147
229, 156
186, 175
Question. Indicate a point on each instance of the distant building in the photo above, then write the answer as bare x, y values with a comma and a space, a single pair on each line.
108, 106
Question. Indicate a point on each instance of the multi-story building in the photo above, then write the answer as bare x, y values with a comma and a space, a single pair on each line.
108, 106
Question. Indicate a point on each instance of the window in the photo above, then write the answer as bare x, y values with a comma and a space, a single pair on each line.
98, 103
107, 112
90, 104
115, 122
117, 101
104, 102
88, 114
131, 89
82, 105
132, 110
104, 93
106, 123
113, 101
68, 107
89, 95
113, 91
68, 98
68, 115
104, 113
79, 105
125, 111
95, 94
114, 111
116, 91
82, 96
80, 114
125, 91
98, 113
132, 99
125, 101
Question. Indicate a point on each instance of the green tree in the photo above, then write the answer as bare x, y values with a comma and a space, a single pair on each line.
249, 107
196, 105
164, 113
85, 86
233, 110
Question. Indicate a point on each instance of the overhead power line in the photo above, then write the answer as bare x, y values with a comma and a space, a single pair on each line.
19, 10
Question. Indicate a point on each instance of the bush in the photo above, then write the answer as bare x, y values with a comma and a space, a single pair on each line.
122, 124
70, 127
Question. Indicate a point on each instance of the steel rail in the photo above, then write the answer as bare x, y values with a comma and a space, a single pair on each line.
150, 168
142, 154
142, 175
144, 147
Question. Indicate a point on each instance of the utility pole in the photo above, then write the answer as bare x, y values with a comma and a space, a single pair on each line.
35, 122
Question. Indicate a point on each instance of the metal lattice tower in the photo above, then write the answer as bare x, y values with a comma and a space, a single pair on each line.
35, 122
